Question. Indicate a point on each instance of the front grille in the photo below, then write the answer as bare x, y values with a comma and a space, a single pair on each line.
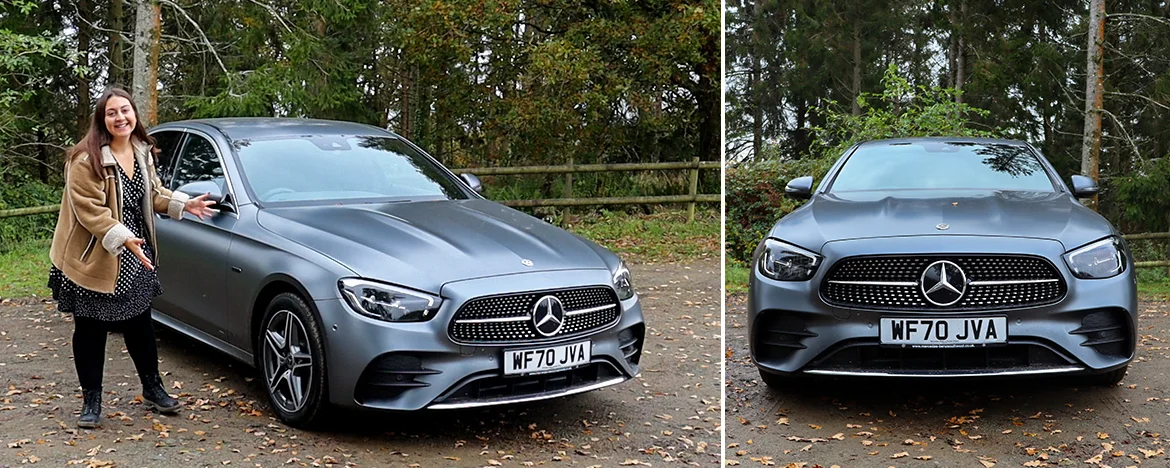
779, 335
389, 375
870, 356
501, 387
1107, 332
894, 282
507, 318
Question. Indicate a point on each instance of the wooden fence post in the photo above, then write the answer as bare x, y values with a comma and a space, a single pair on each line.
566, 216
694, 190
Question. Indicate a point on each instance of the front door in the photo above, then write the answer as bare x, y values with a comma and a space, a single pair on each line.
193, 252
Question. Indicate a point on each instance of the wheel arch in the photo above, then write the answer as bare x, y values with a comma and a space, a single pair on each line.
273, 286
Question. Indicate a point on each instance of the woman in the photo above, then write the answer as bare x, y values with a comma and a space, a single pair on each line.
104, 249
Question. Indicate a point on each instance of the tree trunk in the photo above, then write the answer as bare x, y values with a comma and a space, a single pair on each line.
708, 99
960, 52
1094, 87
857, 64
116, 73
953, 51
146, 38
84, 35
405, 117
754, 89
43, 156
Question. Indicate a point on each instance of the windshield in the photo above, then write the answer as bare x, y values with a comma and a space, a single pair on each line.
925, 165
337, 168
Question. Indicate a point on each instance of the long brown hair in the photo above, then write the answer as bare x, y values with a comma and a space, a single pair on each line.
98, 135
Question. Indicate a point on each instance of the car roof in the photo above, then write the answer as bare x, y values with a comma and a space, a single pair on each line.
891, 141
243, 128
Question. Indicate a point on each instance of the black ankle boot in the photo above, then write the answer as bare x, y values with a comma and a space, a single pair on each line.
91, 409
155, 396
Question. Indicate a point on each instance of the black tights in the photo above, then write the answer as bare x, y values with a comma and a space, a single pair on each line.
89, 347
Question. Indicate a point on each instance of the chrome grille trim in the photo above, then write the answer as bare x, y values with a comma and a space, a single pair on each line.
1003, 283
493, 320
506, 319
876, 283
892, 282
570, 313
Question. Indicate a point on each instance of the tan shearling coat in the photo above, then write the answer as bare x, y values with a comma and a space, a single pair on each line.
91, 215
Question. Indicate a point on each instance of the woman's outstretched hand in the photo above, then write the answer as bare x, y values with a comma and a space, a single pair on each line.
135, 246
200, 206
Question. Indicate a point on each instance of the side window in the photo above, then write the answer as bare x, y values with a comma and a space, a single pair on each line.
198, 162
168, 143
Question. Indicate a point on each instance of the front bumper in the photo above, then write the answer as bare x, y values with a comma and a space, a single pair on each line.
432, 371
830, 340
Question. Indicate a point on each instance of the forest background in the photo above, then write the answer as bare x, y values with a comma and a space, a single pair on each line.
807, 79
477, 83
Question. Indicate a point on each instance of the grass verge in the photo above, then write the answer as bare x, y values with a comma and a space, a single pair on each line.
737, 277
1151, 286
24, 269
655, 238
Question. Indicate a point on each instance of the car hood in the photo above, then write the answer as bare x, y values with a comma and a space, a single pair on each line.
424, 245
860, 215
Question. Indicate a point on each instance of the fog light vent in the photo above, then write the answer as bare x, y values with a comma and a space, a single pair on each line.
1107, 332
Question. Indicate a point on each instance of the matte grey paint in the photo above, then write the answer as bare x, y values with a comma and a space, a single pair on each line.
839, 225
218, 272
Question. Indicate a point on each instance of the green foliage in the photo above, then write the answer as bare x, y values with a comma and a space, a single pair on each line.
24, 268
755, 199
1147, 195
736, 277
901, 110
19, 191
755, 189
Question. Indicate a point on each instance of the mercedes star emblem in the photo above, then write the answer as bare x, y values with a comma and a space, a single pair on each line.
942, 226
526, 262
548, 315
943, 283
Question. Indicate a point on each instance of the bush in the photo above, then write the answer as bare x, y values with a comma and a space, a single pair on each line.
21, 191
755, 199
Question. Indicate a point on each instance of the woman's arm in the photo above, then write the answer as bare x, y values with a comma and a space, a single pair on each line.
163, 199
87, 198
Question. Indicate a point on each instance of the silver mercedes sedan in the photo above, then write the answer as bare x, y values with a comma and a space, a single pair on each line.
352, 269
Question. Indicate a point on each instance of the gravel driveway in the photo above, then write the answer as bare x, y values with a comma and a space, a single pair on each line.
1044, 422
669, 415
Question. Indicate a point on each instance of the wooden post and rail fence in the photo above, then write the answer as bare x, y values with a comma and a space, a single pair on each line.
690, 198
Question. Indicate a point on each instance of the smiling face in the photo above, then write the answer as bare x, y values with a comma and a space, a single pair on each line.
120, 118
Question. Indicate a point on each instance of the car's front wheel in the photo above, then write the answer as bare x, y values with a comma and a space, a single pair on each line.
292, 360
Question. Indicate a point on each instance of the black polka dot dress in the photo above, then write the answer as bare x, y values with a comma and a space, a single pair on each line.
136, 286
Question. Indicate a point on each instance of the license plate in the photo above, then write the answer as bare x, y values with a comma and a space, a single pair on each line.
943, 332
549, 359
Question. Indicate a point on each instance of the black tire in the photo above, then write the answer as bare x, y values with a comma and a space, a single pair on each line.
283, 370
1108, 379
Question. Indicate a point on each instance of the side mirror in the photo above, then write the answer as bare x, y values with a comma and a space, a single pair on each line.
211, 188
472, 181
800, 187
1083, 187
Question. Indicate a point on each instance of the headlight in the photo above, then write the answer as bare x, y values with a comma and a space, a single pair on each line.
1102, 259
786, 262
622, 283
389, 303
